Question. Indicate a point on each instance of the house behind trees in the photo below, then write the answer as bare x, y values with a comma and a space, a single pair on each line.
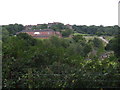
43, 34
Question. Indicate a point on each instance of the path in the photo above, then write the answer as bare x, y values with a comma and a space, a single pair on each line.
103, 40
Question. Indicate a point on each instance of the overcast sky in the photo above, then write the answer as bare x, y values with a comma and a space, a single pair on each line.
79, 12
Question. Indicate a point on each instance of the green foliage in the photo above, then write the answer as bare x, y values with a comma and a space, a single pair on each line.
78, 38
96, 30
97, 43
42, 26
58, 27
29, 39
5, 34
13, 28
67, 32
114, 45
56, 63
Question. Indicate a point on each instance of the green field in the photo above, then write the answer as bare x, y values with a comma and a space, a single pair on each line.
89, 37
80, 34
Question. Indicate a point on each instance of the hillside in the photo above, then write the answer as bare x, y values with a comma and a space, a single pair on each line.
80, 61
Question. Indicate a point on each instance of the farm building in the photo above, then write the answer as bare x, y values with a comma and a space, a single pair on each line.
43, 34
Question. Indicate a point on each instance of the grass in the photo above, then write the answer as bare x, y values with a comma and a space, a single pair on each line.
89, 37
80, 34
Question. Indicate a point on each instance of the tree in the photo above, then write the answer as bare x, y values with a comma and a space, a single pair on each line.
67, 32
29, 39
13, 28
43, 26
5, 34
114, 45
55, 62
97, 43
96, 30
78, 38
58, 27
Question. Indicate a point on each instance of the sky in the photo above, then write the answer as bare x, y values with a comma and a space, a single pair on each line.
79, 12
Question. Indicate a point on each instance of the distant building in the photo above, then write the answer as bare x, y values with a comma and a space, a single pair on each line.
43, 34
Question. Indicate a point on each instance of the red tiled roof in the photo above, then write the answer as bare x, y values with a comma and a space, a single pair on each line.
43, 30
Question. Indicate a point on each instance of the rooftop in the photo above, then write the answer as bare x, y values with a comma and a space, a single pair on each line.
43, 30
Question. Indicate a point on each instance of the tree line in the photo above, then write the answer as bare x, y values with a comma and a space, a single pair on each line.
65, 30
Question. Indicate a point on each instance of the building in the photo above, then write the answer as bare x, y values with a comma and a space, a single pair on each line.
43, 34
